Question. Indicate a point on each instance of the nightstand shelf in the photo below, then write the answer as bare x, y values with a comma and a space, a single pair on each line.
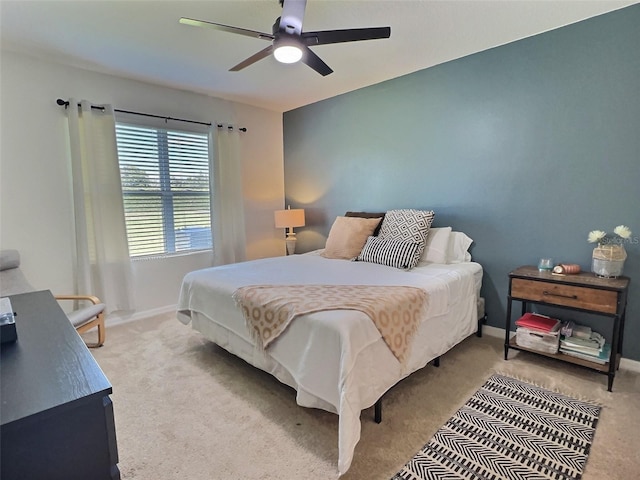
567, 358
583, 292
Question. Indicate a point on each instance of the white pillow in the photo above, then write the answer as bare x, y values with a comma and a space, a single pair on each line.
436, 249
459, 245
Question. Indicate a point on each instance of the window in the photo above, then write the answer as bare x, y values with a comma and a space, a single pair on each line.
165, 187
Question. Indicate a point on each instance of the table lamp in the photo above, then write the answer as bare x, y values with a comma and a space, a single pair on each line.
289, 219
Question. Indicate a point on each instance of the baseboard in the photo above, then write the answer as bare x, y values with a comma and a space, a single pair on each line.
630, 365
118, 318
493, 331
625, 363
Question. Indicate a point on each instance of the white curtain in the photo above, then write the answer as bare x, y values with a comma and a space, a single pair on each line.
227, 200
103, 267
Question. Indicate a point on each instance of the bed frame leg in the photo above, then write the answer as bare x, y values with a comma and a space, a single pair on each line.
377, 408
481, 321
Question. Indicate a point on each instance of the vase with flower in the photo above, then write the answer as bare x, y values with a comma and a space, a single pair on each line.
609, 256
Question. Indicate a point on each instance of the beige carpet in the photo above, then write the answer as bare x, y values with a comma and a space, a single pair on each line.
187, 409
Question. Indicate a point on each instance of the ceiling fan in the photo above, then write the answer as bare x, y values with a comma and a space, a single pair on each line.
289, 43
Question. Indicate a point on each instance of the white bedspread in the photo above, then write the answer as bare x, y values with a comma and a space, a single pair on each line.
329, 356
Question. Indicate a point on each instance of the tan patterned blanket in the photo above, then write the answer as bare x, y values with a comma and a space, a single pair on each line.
396, 311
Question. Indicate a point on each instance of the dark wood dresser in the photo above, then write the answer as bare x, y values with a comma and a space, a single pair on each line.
57, 416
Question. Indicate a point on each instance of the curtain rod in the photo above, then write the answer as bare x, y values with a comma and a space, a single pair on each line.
64, 103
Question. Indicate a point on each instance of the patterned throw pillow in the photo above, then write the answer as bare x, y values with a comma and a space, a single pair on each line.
407, 225
390, 252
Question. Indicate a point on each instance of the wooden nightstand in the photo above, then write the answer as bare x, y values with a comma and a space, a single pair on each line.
583, 292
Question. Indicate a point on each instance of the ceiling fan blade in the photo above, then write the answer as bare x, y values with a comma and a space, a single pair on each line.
292, 16
265, 52
349, 35
226, 28
315, 62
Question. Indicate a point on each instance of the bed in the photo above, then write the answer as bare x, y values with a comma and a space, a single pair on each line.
336, 359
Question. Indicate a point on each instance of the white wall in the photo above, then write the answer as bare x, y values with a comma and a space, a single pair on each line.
35, 183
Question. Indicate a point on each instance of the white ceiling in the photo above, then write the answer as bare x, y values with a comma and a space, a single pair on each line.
142, 39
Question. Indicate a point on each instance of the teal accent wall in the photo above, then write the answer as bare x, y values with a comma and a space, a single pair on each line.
525, 147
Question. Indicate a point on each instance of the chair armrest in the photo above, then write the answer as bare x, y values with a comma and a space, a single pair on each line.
92, 298
87, 317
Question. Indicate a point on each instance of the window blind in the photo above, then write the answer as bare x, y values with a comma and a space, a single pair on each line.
166, 189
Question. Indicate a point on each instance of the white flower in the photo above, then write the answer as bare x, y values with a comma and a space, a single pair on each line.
619, 235
622, 231
595, 236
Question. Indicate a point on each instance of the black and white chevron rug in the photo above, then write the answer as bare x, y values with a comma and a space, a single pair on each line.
509, 430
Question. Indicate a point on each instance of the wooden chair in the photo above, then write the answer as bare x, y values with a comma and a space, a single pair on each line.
85, 318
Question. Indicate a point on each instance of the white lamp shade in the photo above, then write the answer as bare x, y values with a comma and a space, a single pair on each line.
289, 218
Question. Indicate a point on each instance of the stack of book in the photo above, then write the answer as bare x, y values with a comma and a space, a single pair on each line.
541, 323
592, 347
538, 332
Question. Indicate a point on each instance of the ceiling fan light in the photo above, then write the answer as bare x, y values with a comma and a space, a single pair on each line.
287, 53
